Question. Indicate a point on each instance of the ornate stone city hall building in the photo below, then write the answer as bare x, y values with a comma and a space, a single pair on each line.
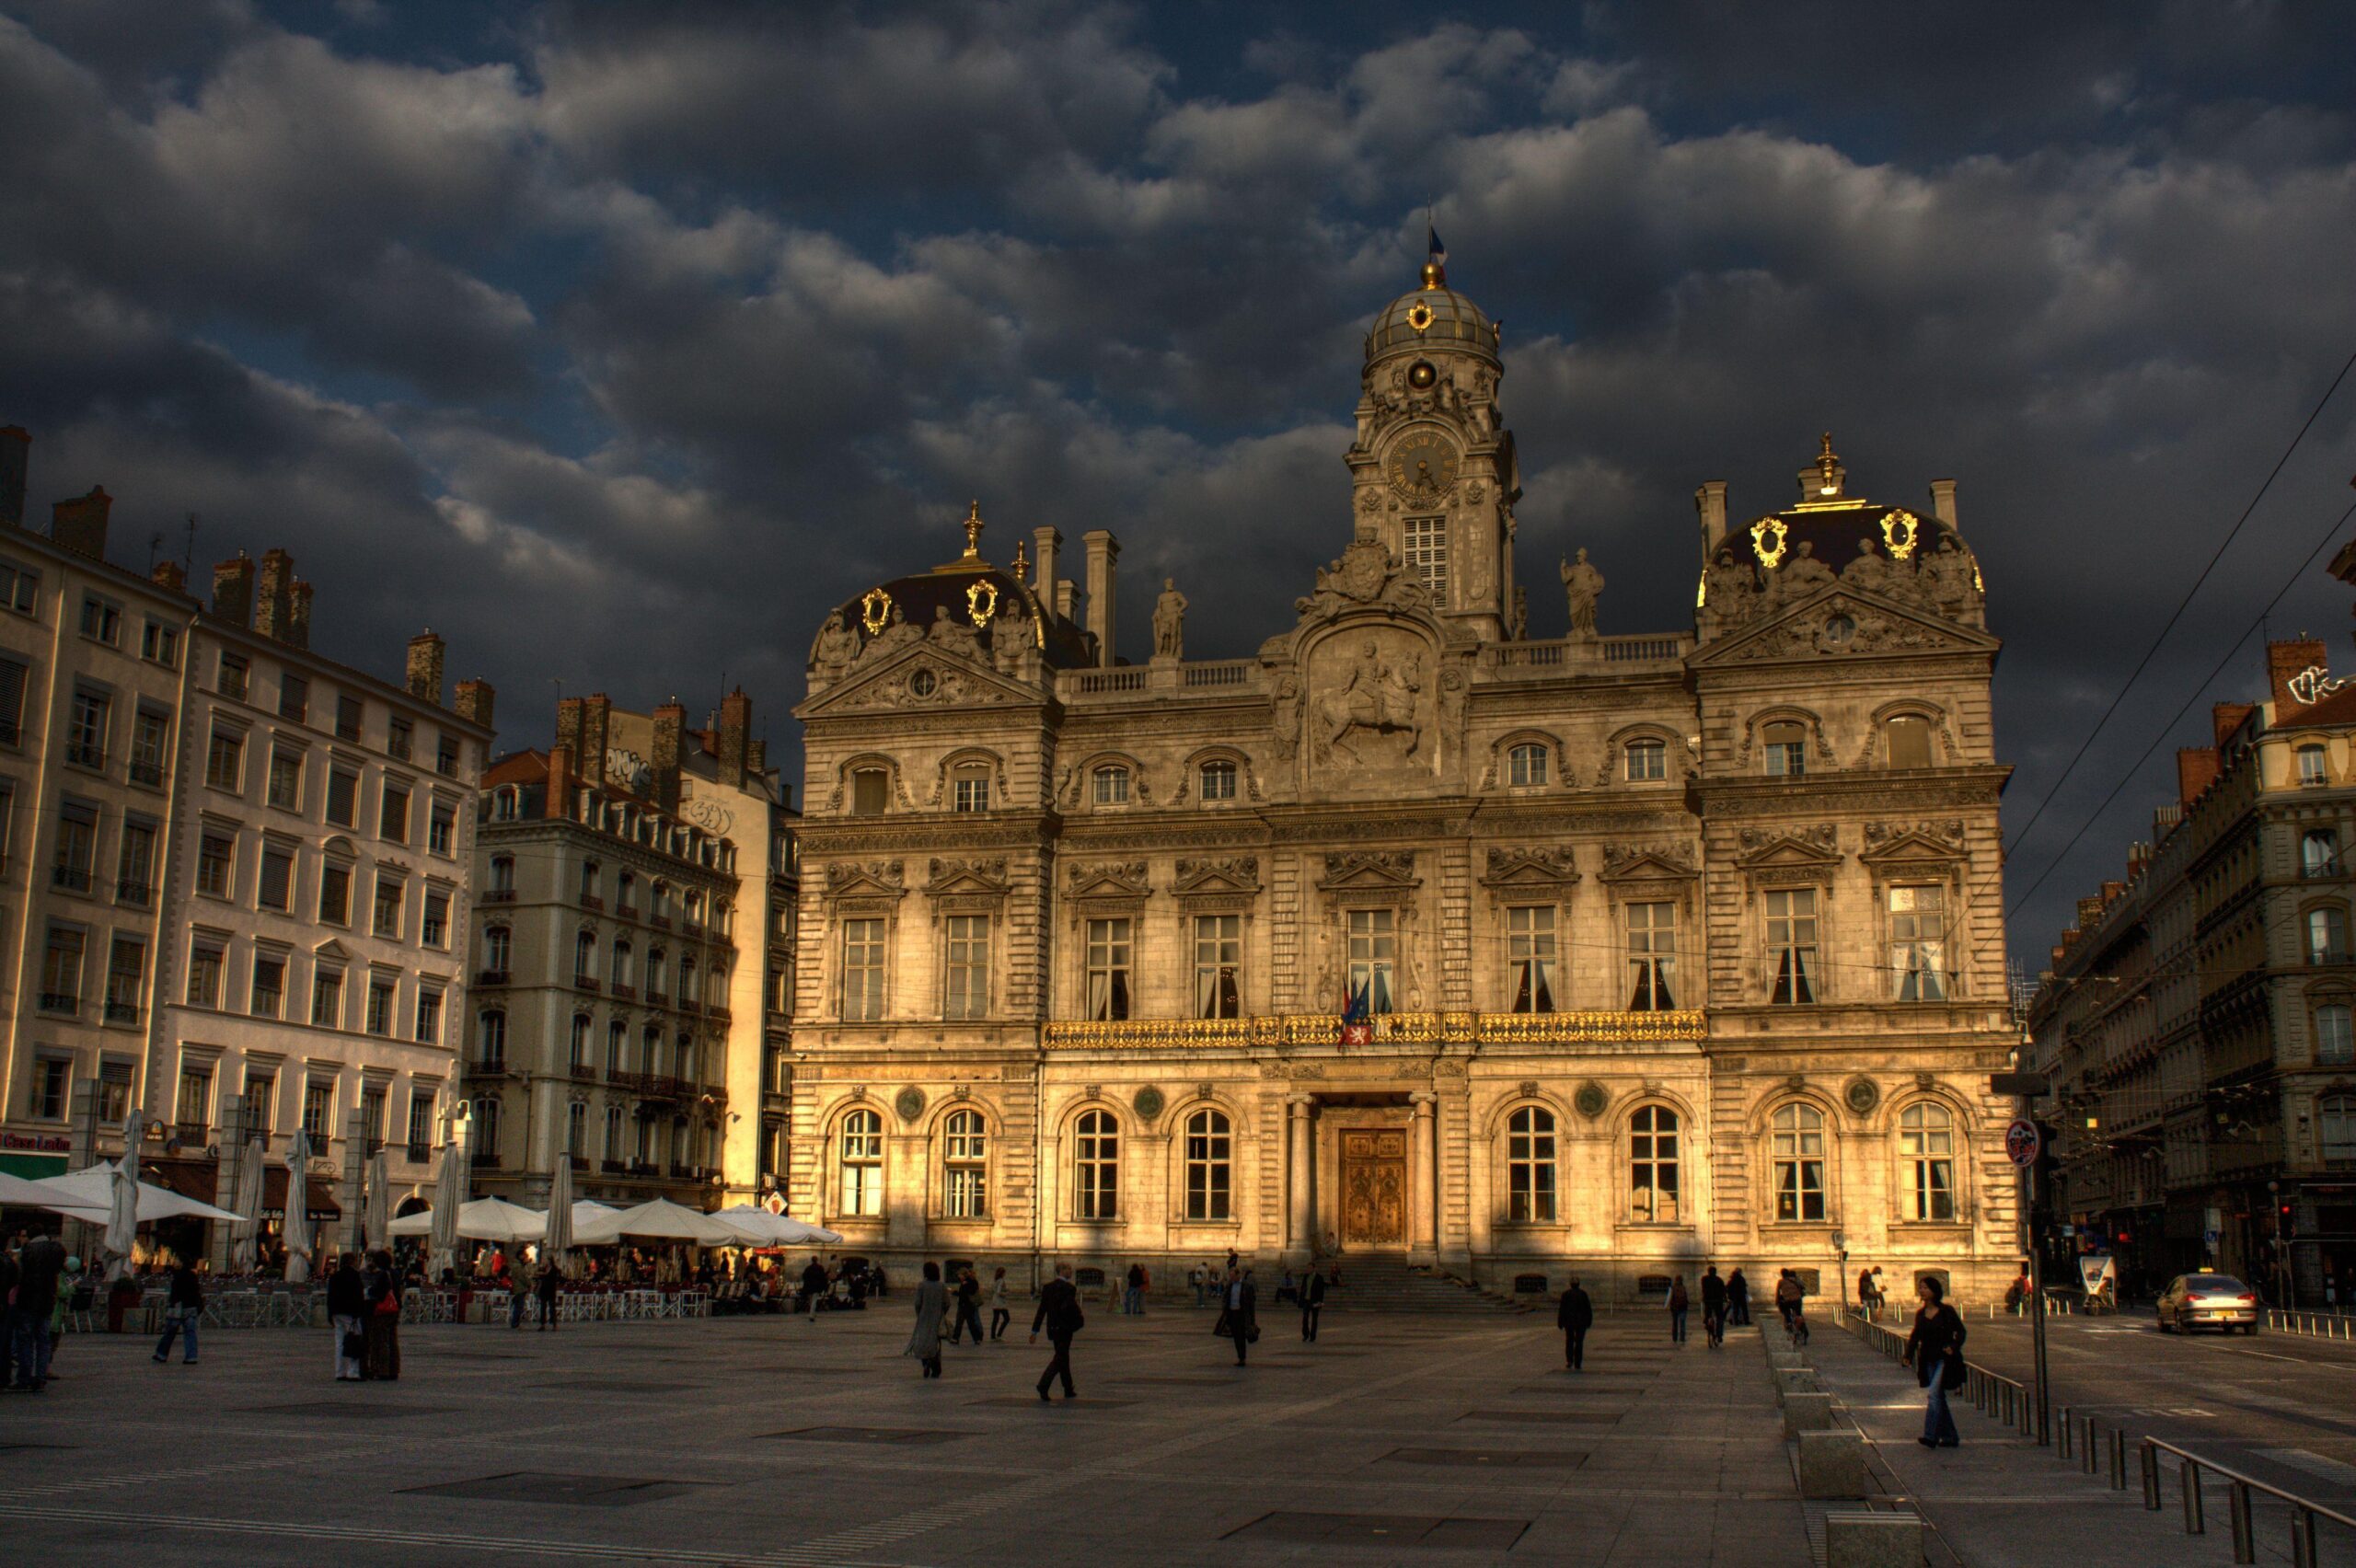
1681, 948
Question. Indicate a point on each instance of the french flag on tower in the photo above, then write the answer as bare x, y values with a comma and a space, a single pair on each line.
1357, 1020
1439, 251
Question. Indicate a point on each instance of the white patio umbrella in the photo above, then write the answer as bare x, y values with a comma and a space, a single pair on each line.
89, 1194
18, 1192
449, 1196
484, 1219
660, 1220
296, 1229
377, 1208
247, 1200
556, 1238
766, 1229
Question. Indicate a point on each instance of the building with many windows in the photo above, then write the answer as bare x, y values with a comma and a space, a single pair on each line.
2199, 1024
1676, 947
626, 1012
93, 658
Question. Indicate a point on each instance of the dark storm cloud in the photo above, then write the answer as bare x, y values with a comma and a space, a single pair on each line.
619, 341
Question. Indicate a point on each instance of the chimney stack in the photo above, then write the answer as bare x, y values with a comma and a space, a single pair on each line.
80, 524
233, 591
474, 704
568, 723
1943, 501
170, 575
1103, 551
1066, 598
1045, 542
298, 616
670, 727
16, 446
560, 790
425, 668
757, 758
275, 599
596, 726
2196, 769
1710, 504
736, 737
2284, 662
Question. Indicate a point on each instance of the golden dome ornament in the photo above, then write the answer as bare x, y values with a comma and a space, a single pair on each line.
1768, 538
981, 603
1899, 531
1419, 316
875, 611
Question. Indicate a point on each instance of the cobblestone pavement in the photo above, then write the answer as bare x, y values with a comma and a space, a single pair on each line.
1420, 1440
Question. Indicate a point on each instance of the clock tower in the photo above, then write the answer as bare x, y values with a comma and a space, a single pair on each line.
1433, 472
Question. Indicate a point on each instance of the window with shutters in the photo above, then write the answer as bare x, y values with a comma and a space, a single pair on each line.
225, 760
216, 862
868, 787
286, 779
399, 733
335, 894
268, 998
12, 701
349, 712
392, 817
151, 746
277, 878
293, 697
343, 797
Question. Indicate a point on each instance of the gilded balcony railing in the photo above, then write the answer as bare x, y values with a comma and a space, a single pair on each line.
1396, 1029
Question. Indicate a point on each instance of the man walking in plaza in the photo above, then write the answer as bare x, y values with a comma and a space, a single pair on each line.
999, 1316
1242, 1309
814, 1285
969, 1308
1312, 1303
1714, 1308
1135, 1305
1574, 1316
347, 1306
545, 1288
1060, 1315
39, 1268
1738, 1299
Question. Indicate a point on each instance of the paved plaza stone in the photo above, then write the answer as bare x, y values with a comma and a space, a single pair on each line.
1396, 1438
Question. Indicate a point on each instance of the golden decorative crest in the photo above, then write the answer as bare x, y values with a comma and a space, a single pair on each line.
1419, 315
875, 611
1767, 539
1900, 530
981, 602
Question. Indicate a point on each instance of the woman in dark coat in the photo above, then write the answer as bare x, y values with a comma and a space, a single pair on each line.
1935, 1351
932, 1305
382, 1327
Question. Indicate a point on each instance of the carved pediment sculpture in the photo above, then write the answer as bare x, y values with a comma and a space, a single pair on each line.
855, 876
1555, 867
1369, 868
1365, 574
1237, 873
1647, 862
978, 876
1108, 878
1772, 856
1891, 844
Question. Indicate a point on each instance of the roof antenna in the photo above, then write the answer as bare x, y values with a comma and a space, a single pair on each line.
187, 559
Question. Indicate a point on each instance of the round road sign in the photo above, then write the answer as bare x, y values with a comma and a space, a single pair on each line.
2021, 1144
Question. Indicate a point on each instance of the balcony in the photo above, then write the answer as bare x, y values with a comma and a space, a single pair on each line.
579, 1161
613, 1167
148, 773
491, 976
625, 993
129, 891
591, 901
486, 1160
73, 879
489, 1066
1430, 1028
585, 1071
644, 1168
627, 911
60, 1002
658, 999
499, 895
684, 1173
585, 983
718, 1013
691, 928
122, 1012
419, 1153
192, 1135
90, 756
660, 922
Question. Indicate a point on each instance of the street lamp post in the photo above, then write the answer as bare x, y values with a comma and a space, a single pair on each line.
2025, 1087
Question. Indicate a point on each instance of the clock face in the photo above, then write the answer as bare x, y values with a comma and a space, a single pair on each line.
1423, 467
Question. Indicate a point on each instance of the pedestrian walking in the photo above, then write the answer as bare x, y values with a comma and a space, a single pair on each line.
1790, 1295
1195, 1278
1240, 1317
1714, 1308
1738, 1299
347, 1309
544, 1289
1060, 1315
182, 1307
969, 1306
1868, 1302
814, 1285
999, 1316
933, 1305
380, 1333
1135, 1305
1313, 1304
40, 1265
1575, 1316
519, 1294
1935, 1351
1678, 1305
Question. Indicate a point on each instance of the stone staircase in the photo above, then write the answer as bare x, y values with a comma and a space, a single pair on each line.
1381, 1284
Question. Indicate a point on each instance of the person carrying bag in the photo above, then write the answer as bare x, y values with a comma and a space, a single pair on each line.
1935, 1352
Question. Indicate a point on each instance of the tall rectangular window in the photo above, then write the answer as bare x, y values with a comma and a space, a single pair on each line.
1108, 968
380, 1014
429, 1016
86, 730
420, 1122
1529, 957
441, 830
234, 671
53, 1083
225, 760
151, 746
61, 970
863, 971
1652, 957
114, 1093
1374, 956
102, 621
1786, 750
1427, 540
348, 714
327, 998
205, 959
215, 861
372, 1115
293, 697
388, 921
1791, 944
12, 700
343, 797
77, 845
161, 644
392, 818
398, 734
435, 929
319, 1110
277, 878
1917, 947
269, 986
285, 779
126, 979
261, 1093
967, 966
1218, 966
335, 894
19, 588
971, 790
193, 1113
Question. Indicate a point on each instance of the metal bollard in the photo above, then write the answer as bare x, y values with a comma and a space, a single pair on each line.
2150, 1477
2089, 1451
2119, 1459
2245, 1540
2303, 1537
2196, 1522
2062, 1449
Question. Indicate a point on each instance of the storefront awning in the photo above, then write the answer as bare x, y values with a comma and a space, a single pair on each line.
189, 1178
319, 1205
32, 1167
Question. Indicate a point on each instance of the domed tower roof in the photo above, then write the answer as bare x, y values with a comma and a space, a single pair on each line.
1433, 316
972, 593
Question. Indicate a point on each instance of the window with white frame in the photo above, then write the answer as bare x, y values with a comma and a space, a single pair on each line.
859, 1164
1218, 779
1530, 1165
1786, 744
1529, 957
966, 966
2335, 1035
964, 1150
862, 970
1926, 1162
2315, 766
1107, 972
1646, 761
1918, 946
970, 788
1652, 956
1526, 765
1111, 785
1791, 945
1374, 956
1218, 966
1096, 1166
1209, 1162
1427, 554
1796, 1152
1652, 1166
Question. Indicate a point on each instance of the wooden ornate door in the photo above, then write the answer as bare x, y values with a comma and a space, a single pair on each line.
1374, 1188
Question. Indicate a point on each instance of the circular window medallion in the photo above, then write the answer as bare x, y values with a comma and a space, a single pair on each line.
1421, 375
1148, 1101
1861, 1095
924, 683
910, 1104
1419, 315
1838, 631
1590, 1099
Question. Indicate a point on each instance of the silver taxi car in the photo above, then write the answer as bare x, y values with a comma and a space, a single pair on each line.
2207, 1300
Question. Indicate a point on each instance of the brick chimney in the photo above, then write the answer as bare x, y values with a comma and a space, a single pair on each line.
1943, 501
736, 737
298, 615
233, 590
474, 702
274, 595
2284, 661
16, 447
596, 715
80, 524
425, 651
1103, 552
670, 728
2224, 718
2196, 769
2089, 912
1710, 505
568, 723
559, 786
757, 758
170, 576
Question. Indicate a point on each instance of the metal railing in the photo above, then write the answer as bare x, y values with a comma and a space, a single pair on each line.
2316, 1325
2241, 1494
1992, 1393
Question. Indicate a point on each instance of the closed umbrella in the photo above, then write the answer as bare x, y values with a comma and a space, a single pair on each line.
377, 1208
449, 1196
557, 1239
122, 1200
297, 1229
247, 1200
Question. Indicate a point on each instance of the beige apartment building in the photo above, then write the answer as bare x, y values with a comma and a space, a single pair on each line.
93, 662
628, 956
1681, 946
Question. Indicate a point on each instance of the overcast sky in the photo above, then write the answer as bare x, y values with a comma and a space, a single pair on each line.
617, 343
